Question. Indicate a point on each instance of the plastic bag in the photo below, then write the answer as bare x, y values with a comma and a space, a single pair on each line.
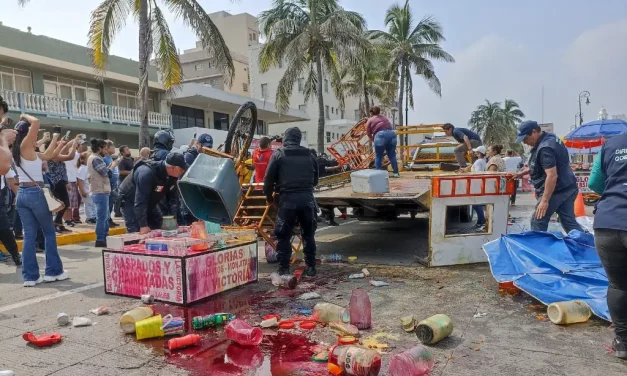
271, 253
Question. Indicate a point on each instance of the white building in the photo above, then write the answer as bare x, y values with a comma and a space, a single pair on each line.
263, 86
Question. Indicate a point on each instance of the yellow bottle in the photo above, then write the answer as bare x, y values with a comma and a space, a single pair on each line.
572, 312
128, 319
434, 329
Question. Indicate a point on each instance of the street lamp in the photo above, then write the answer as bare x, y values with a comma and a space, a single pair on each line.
583, 94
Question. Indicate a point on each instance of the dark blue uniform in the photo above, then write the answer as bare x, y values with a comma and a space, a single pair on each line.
293, 173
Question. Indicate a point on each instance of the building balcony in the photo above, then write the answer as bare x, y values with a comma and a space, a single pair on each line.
72, 109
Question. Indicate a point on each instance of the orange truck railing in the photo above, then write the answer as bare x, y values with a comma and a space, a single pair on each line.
472, 185
354, 149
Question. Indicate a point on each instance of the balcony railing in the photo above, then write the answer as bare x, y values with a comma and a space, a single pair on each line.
71, 109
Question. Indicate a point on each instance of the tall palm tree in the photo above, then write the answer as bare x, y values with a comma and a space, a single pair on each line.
496, 124
312, 37
412, 48
154, 36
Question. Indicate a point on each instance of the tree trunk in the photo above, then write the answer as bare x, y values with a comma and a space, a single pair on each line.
401, 92
366, 97
321, 114
144, 55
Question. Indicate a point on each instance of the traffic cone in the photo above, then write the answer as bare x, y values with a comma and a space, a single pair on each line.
580, 208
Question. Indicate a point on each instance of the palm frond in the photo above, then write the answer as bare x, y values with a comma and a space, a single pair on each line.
212, 42
311, 83
427, 30
166, 55
106, 21
22, 3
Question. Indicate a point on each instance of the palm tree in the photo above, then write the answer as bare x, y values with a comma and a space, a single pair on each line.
412, 47
496, 124
154, 36
312, 37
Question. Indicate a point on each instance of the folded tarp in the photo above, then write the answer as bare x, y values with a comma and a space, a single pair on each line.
551, 267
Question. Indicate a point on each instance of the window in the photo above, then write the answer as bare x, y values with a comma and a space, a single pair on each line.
220, 121
328, 136
198, 67
261, 128
254, 37
128, 99
341, 114
326, 108
16, 79
302, 107
187, 117
264, 90
332, 110
245, 87
326, 85
301, 85
71, 89
250, 37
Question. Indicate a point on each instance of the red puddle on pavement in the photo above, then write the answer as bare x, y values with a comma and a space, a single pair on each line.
281, 353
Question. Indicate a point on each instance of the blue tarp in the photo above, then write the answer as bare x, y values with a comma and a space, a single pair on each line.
551, 267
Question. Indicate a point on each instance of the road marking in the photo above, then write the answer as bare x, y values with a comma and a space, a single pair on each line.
343, 224
40, 299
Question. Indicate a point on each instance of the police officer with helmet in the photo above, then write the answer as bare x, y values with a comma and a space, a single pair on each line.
162, 145
553, 179
149, 183
293, 173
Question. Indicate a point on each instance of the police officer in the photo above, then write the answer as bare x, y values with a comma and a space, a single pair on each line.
293, 173
162, 145
149, 183
609, 179
204, 141
551, 176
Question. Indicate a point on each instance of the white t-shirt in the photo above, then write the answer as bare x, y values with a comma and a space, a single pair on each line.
479, 165
511, 163
9, 175
70, 166
82, 174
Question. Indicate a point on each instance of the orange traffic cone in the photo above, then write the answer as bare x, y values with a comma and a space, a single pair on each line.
580, 208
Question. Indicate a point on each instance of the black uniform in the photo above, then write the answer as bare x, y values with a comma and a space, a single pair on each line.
293, 173
141, 193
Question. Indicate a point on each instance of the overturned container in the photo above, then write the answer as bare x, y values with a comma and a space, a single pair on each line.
571, 312
434, 329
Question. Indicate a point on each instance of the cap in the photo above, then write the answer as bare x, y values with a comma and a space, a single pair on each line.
22, 126
525, 128
205, 140
176, 159
480, 149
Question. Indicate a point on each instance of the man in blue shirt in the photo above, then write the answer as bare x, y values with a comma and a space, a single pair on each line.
468, 140
609, 178
553, 179
114, 179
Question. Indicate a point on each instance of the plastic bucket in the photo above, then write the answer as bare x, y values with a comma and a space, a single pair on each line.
149, 328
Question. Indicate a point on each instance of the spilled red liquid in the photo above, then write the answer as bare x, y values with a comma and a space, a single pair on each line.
281, 353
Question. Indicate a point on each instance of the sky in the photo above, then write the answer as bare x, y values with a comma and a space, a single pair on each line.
503, 50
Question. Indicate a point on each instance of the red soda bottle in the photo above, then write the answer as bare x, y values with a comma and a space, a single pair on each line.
416, 361
359, 308
240, 332
354, 361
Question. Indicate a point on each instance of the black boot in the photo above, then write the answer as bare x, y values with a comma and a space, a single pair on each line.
333, 223
284, 270
310, 271
17, 260
101, 244
620, 348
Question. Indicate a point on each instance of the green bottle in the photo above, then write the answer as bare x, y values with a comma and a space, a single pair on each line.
202, 322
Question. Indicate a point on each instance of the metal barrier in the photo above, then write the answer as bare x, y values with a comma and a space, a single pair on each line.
354, 148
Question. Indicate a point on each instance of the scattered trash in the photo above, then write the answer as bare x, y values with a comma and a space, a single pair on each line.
305, 311
347, 340
63, 319
571, 312
287, 324
268, 317
309, 296
240, 332
188, 340
434, 329
147, 299
335, 257
416, 361
320, 357
352, 258
360, 309
307, 324
329, 312
508, 288
269, 323
298, 273
43, 340
365, 271
378, 283
128, 319
346, 360
408, 323
540, 317
476, 349
344, 329
286, 281
356, 276
157, 326
271, 253
209, 321
479, 315
479, 341
100, 311
373, 342
78, 322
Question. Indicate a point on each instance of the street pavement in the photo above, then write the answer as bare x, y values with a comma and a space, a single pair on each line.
495, 333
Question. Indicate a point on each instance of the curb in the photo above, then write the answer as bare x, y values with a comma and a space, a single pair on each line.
75, 238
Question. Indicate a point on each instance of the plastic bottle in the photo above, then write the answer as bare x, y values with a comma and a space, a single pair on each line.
329, 312
416, 361
128, 319
286, 281
360, 309
209, 321
240, 332
570, 312
188, 340
354, 360
434, 329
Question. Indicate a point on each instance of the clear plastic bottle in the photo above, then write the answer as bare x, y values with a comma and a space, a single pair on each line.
240, 332
208, 321
128, 319
360, 309
329, 312
354, 360
571, 312
286, 281
416, 361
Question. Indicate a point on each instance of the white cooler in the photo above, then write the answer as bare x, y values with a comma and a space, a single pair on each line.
370, 181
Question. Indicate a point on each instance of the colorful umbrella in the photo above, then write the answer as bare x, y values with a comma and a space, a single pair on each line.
593, 133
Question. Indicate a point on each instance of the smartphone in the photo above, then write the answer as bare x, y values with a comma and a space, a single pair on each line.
56, 129
67, 135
